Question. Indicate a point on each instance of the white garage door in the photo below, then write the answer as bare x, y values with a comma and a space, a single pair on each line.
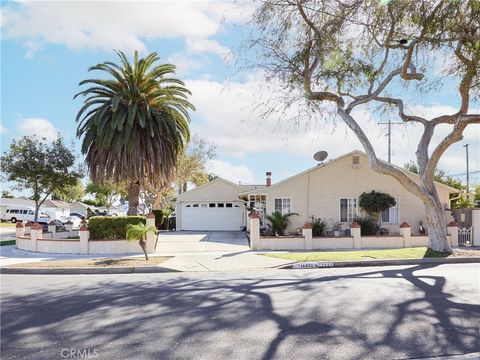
212, 216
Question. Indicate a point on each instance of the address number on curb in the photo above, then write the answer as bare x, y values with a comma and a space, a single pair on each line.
312, 265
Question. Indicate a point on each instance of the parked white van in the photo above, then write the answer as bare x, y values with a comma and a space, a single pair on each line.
23, 214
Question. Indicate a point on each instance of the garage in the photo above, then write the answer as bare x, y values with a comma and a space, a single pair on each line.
210, 207
212, 216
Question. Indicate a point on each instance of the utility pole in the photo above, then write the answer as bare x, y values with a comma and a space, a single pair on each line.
389, 134
468, 170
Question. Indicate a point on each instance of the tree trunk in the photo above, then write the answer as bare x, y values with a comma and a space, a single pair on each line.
157, 202
133, 197
437, 229
143, 245
184, 187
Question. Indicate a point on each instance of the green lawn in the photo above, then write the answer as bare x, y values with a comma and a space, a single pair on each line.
7, 224
407, 253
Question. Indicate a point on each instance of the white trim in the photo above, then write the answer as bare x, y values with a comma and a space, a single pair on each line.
283, 198
340, 208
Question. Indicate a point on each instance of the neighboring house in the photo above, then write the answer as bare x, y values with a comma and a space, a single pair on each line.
78, 207
56, 208
213, 206
331, 190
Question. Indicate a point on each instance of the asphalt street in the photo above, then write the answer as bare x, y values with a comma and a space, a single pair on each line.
348, 313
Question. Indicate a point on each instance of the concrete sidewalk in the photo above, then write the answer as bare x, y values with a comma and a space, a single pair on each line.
188, 261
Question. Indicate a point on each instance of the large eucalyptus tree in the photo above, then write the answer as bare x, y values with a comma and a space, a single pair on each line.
352, 53
134, 122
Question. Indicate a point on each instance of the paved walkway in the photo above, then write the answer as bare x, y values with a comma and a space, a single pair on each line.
190, 251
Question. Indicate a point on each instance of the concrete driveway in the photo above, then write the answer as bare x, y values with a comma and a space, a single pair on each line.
176, 242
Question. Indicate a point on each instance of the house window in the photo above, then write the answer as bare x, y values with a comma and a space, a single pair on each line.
348, 209
283, 205
229, 205
390, 215
195, 205
204, 205
212, 205
220, 205
187, 206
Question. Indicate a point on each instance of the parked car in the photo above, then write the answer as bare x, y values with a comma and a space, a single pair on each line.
74, 219
59, 225
23, 214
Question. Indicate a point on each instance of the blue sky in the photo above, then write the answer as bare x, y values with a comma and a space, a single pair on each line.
47, 48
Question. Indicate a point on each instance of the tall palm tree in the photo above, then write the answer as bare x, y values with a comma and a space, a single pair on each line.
134, 123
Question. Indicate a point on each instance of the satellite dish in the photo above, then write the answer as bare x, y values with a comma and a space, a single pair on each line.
320, 155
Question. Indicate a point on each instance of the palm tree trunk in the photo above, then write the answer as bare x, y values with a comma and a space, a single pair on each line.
143, 245
133, 196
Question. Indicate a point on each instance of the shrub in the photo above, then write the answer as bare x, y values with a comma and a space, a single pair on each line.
279, 222
375, 202
111, 227
319, 226
368, 225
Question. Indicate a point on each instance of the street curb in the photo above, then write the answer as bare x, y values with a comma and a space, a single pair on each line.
85, 270
362, 263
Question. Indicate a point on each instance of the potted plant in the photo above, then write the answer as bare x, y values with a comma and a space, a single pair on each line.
139, 232
337, 227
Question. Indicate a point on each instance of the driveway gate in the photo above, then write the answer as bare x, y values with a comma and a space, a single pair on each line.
465, 236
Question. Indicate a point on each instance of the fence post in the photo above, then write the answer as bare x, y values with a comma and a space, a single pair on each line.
52, 228
150, 221
19, 231
356, 232
35, 234
255, 243
452, 230
69, 227
307, 233
28, 227
476, 227
84, 237
406, 232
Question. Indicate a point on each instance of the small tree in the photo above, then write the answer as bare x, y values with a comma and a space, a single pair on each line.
7, 195
106, 193
41, 167
139, 232
279, 221
70, 193
374, 203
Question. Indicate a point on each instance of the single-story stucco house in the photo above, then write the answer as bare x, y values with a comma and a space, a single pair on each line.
329, 191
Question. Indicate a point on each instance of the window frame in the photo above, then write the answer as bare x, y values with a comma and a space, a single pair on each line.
340, 209
282, 199
397, 220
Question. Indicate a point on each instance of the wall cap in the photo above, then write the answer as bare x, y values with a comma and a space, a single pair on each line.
254, 216
52, 223
19, 225
84, 228
354, 225
307, 226
29, 224
37, 226
151, 215
452, 224
404, 225
68, 223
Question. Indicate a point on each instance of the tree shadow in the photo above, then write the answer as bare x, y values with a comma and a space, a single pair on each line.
155, 317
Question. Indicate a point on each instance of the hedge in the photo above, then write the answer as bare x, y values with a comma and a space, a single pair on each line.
111, 227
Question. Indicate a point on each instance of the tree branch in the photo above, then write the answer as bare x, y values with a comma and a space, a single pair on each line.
382, 167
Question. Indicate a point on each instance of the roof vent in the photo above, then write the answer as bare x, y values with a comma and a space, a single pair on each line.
356, 162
